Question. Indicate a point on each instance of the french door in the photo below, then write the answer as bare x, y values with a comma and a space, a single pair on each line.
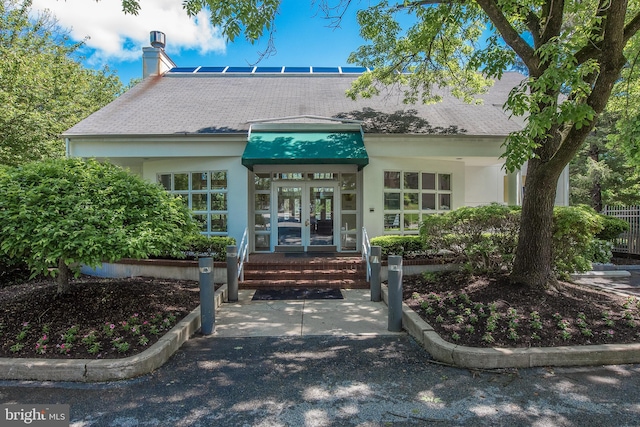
306, 214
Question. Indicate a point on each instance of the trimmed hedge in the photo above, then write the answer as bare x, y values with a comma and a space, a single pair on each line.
612, 227
405, 246
485, 237
199, 245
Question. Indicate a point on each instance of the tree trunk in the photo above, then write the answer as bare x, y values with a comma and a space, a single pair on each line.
533, 261
596, 185
63, 277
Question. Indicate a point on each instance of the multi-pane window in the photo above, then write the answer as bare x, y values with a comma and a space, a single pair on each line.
408, 196
205, 193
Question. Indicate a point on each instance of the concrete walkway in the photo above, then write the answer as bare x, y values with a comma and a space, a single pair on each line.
354, 315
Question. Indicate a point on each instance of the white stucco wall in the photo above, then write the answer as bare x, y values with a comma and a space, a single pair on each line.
484, 185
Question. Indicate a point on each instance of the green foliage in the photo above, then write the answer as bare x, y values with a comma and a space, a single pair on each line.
85, 212
44, 90
602, 173
483, 237
201, 245
404, 246
612, 227
573, 230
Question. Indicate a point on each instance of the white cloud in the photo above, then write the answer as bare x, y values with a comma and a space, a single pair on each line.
116, 36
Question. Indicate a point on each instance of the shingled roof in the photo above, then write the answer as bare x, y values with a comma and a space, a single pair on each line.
227, 103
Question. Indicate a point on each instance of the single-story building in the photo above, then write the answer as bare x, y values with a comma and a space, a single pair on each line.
283, 153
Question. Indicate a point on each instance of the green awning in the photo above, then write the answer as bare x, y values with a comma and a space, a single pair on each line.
305, 148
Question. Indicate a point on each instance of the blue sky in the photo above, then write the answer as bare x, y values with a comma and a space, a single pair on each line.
302, 37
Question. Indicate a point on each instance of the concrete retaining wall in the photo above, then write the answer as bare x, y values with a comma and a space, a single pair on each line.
162, 269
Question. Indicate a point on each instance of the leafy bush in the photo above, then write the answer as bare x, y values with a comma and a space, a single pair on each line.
405, 246
200, 245
483, 237
68, 212
612, 227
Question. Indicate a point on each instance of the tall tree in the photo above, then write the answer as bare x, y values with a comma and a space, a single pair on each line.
573, 52
44, 89
602, 174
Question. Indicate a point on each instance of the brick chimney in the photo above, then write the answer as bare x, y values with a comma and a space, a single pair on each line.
155, 61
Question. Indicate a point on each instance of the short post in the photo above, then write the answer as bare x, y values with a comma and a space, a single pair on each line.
374, 261
395, 293
207, 303
232, 273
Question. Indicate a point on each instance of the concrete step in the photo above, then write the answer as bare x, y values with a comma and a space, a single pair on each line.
301, 274
316, 272
304, 283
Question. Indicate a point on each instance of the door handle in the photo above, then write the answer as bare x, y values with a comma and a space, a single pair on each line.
306, 223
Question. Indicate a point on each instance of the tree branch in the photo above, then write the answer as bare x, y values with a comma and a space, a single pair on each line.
552, 19
593, 50
632, 27
611, 62
510, 35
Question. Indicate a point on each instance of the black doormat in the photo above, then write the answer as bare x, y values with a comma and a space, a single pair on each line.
296, 294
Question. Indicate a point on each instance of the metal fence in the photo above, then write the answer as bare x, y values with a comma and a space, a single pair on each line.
629, 241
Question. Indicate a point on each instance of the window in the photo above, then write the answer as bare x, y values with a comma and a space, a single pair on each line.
410, 195
205, 193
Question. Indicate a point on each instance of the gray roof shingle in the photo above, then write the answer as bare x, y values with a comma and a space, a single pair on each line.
197, 104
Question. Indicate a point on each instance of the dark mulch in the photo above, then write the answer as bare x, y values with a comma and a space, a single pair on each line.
148, 307
458, 307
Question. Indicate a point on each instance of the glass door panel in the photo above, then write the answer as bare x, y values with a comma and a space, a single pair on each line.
321, 215
289, 216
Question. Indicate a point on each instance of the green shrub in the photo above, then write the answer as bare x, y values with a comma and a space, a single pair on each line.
612, 227
199, 245
405, 246
574, 231
484, 237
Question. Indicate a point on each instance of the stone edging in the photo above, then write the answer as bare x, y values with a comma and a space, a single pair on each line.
492, 358
90, 370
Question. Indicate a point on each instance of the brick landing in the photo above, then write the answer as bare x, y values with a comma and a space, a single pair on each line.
301, 270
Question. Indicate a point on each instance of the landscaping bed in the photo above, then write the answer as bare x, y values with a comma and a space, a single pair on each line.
98, 319
479, 311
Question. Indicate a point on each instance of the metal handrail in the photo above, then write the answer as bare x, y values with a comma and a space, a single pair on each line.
243, 254
366, 251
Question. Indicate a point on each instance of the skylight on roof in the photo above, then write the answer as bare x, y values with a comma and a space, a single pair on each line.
302, 70
269, 70
211, 69
239, 70
329, 70
183, 69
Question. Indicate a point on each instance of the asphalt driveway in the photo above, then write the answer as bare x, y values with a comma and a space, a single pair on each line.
340, 381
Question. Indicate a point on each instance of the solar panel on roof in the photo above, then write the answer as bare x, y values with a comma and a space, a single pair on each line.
354, 69
211, 69
297, 69
239, 70
326, 70
182, 69
268, 70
